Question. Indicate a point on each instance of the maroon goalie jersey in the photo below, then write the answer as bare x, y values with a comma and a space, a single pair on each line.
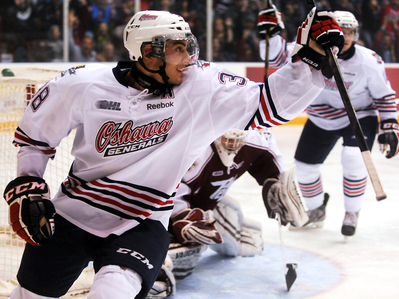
208, 180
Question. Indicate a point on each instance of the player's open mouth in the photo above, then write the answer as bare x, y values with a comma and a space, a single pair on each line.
185, 67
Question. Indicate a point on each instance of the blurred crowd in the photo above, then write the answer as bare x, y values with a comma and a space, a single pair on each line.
32, 30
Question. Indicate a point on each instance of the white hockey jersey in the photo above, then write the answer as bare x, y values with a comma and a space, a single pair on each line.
365, 79
132, 148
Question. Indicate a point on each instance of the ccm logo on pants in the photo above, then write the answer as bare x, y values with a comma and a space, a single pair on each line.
136, 255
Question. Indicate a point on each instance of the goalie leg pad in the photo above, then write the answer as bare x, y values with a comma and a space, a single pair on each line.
165, 285
185, 258
229, 218
242, 237
251, 238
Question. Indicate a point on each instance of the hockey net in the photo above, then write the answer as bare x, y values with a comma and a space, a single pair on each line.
15, 93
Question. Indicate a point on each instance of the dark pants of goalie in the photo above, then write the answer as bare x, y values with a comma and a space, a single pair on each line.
50, 270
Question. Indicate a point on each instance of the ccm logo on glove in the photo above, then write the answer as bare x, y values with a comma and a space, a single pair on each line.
24, 187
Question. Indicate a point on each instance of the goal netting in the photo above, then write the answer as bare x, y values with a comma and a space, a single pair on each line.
15, 93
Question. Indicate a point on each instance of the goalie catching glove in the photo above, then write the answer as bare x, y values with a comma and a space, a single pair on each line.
195, 226
282, 197
269, 22
31, 213
319, 31
388, 137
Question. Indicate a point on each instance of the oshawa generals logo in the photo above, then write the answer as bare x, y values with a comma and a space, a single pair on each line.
117, 139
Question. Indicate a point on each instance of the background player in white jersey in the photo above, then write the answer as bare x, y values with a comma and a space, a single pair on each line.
139, 127
371, 95
205, 215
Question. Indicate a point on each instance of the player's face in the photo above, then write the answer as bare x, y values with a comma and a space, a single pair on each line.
177, 59
349, 34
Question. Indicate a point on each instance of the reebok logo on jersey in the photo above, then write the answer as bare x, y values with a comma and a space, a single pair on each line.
108, 105
160, 105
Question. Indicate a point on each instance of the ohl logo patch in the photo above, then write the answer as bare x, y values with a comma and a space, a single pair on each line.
108, 105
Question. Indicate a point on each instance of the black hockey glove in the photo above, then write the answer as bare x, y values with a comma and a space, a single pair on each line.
269, 22
31, 213
195, 226
319, 31
388, 137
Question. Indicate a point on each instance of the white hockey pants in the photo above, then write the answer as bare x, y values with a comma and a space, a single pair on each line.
110, 282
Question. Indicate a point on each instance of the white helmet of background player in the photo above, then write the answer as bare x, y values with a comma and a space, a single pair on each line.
346, 19
155, 28
229, 144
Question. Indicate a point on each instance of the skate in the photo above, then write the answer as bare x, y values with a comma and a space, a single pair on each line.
349, 224
316, 217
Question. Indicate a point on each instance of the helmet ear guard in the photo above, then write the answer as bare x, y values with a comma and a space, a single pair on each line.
156, 50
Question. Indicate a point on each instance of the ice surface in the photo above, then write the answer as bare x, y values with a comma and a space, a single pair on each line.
362, 267
366, 263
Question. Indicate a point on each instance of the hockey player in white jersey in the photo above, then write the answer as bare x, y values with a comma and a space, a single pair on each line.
139, 127
371, 95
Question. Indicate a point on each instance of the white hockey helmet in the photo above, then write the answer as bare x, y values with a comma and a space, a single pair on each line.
229, 144
155, 28
346, 19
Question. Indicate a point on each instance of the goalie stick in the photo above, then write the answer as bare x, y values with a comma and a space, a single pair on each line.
354, 121
289, 269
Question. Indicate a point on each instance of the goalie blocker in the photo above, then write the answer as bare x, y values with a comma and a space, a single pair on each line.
282, 197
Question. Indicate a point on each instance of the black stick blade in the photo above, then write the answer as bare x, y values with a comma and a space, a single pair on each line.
290, 276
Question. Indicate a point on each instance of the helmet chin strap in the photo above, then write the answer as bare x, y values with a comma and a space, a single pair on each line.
148, 82
348, 53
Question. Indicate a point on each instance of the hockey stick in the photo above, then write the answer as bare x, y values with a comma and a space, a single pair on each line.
289, 269
354, 121
268, 5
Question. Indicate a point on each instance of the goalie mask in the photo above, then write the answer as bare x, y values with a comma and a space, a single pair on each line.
346, 19
229, 144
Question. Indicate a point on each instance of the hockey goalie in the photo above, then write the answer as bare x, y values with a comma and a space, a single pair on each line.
205, 216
